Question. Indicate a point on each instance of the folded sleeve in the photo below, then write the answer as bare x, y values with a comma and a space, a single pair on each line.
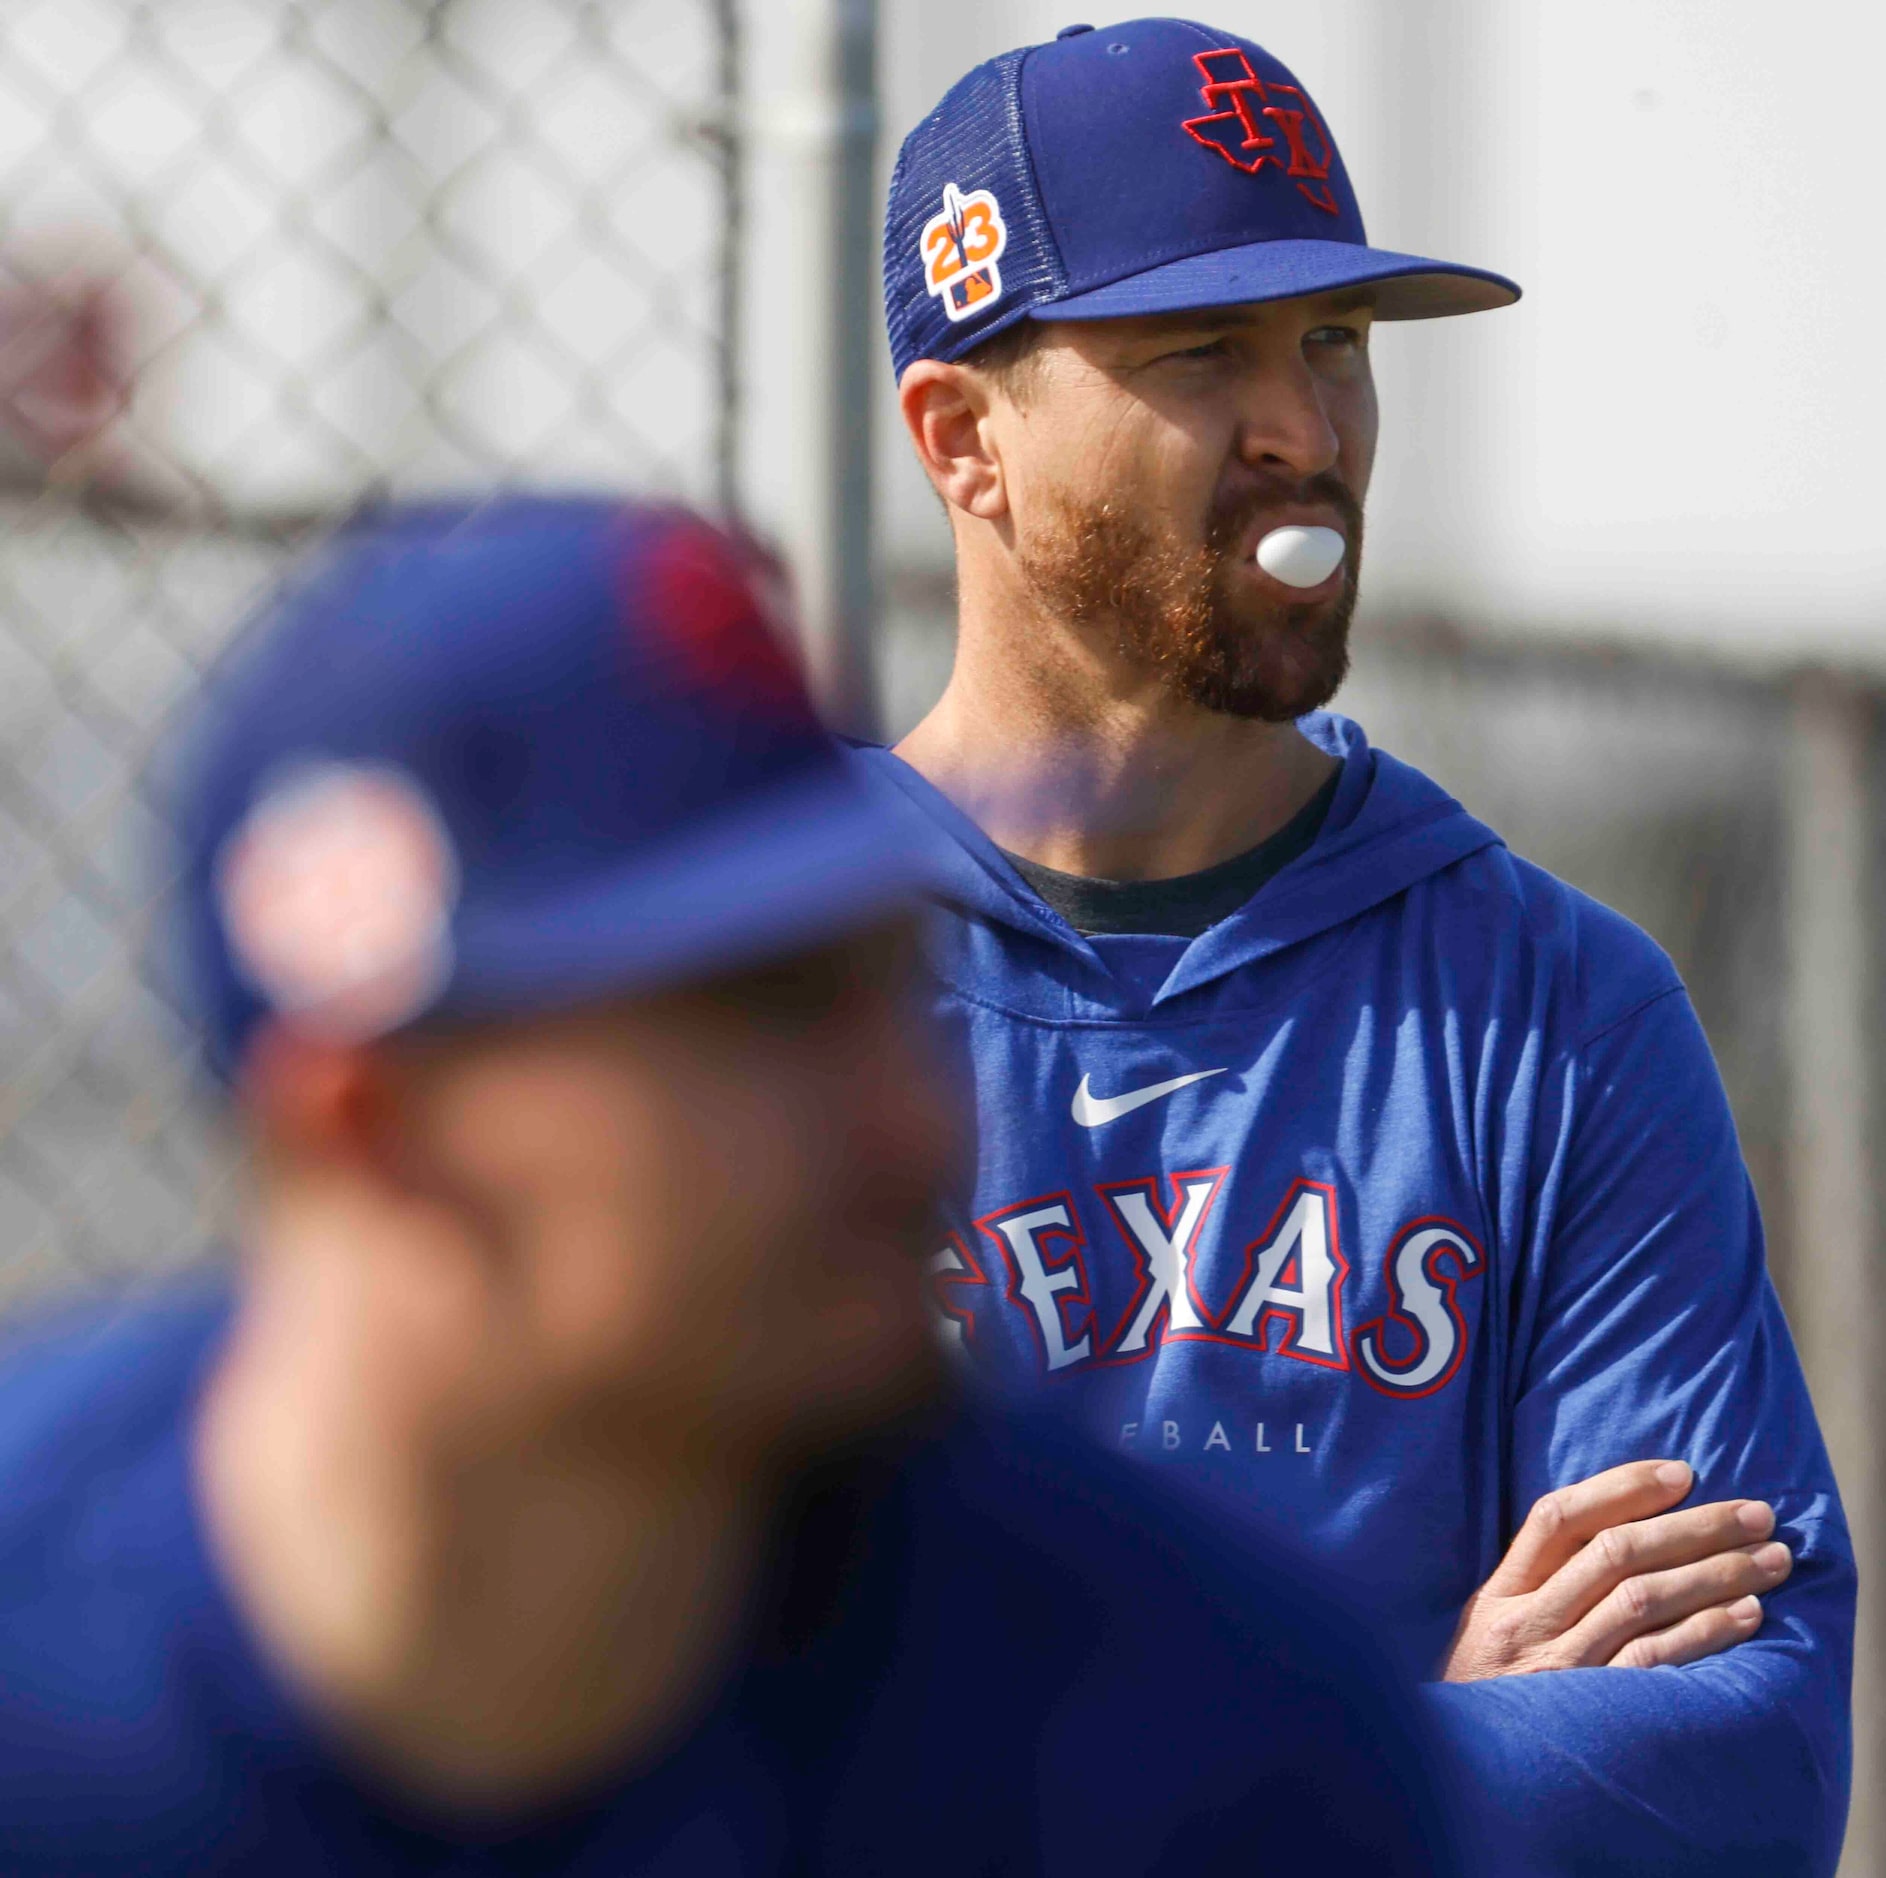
1646, 1326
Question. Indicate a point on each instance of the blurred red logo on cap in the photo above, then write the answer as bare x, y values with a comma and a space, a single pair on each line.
336, 896
721, 604
1240, 105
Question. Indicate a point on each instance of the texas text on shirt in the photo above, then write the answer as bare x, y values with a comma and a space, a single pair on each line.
1395, 1200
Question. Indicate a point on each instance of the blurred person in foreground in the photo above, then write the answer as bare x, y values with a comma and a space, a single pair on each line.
562, 1482
1371, 1180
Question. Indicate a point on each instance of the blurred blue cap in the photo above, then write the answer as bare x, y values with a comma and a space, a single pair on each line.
494, 759
1157, 166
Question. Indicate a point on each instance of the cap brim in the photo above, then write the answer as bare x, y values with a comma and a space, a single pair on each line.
1407, 287
803, 867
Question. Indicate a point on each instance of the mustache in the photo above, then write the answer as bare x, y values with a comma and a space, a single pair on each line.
1234, 513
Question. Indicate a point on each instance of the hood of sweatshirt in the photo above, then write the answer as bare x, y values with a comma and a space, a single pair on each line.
1387, 828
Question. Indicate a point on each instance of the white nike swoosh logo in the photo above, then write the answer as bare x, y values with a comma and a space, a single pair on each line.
1091, 1110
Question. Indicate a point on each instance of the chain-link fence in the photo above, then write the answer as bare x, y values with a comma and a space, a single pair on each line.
259, 263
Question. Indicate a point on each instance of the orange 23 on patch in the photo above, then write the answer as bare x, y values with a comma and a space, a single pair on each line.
961, 248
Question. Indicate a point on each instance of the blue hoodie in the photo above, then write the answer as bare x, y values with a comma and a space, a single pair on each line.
1394, 1201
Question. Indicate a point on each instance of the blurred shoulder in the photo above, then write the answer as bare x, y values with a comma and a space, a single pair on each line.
84, 1388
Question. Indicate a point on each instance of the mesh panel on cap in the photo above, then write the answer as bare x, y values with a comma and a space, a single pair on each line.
974, 139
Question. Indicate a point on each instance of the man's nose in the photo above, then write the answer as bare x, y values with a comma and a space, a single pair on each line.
1283, 424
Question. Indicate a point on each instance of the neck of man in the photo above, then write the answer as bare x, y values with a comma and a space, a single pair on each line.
492, 1603
1064, 753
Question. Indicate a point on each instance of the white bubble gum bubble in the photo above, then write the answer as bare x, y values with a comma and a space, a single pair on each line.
1301, 557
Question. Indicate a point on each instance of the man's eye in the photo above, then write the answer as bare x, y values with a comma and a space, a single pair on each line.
1210, 349
1355, 336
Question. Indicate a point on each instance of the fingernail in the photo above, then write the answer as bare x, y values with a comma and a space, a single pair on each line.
1773, 1558
1755, 1517
1746, 1610
1673, 1474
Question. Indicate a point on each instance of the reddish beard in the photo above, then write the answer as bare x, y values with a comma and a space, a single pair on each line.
1173, 609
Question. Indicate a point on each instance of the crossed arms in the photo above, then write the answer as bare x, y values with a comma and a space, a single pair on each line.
1696, 1719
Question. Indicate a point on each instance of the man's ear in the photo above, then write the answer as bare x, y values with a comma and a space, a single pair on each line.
946, 410
315, 1099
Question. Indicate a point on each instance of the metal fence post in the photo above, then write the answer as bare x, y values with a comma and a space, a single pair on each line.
730, 150
1835, 1109
825, 130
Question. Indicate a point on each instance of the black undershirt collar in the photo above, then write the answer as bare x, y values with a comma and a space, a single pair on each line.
1189, 904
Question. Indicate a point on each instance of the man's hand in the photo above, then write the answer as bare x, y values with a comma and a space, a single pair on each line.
1603, 1574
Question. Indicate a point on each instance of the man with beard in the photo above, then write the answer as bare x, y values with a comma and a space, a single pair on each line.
1377, 1182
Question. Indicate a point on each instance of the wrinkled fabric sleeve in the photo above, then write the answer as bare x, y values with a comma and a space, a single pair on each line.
1650, 1329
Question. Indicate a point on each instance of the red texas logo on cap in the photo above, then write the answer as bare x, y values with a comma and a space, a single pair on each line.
1238, 99
961, 247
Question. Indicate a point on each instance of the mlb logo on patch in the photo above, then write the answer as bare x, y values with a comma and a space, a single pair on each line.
961, 249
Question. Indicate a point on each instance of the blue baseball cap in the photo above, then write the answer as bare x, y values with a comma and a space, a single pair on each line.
1157, 166
484, 760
